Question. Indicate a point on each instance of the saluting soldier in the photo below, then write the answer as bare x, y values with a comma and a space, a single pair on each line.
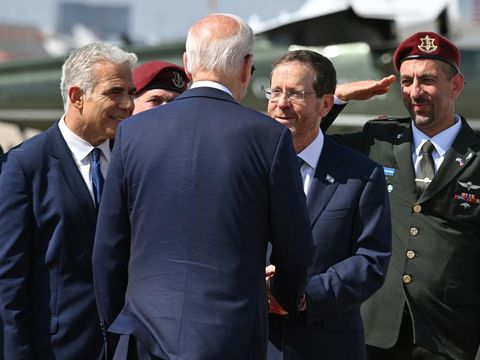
429, 306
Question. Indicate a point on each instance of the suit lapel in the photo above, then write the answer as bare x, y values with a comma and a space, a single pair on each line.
402, 150
71, 176
325, 181
457, 158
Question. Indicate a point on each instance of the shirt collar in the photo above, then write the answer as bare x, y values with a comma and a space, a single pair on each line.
211, 84
311, 154
442, 141
79, 147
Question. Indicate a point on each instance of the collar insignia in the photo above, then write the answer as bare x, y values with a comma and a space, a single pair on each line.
427, 45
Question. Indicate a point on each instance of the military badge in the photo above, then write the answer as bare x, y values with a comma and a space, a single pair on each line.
467, 198
388, 171
427, 44
177, 80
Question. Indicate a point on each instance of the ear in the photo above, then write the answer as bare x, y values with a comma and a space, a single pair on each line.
246, 69
75, 95
185, 65
326, 103
458, 83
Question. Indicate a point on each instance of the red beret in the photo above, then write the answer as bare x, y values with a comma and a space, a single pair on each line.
427, 45
159, 75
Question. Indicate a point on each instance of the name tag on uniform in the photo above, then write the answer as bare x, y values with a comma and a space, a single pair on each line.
388, 171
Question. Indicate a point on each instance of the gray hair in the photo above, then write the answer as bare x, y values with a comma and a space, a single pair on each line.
220, 55
78, 68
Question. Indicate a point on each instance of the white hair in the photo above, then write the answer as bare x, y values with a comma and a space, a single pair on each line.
220, 55
78, 68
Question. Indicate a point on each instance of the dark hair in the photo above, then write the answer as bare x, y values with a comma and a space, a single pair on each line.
325, 79
448, 69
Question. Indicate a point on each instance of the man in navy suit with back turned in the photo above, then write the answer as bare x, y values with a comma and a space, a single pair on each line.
48, 197
349, 212
196, 190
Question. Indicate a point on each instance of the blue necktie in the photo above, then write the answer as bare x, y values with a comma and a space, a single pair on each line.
97, 177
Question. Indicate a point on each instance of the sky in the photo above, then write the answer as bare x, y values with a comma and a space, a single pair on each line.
150, 20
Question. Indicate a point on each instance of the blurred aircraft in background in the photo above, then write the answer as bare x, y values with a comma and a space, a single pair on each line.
358, 36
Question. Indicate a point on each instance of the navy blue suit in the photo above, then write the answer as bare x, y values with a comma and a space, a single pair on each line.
47, 227
350, 216
196, 189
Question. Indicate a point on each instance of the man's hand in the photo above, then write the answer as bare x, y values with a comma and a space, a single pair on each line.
273, 306
363, 90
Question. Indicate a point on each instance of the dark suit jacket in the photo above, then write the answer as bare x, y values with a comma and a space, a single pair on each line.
435, 242
196, 188
47, 226
350, 217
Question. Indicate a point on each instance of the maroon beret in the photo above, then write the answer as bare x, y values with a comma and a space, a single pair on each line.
427, 45
159, 75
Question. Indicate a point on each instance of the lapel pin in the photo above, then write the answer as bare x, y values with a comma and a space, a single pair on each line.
390, 188
330, 179
460, 161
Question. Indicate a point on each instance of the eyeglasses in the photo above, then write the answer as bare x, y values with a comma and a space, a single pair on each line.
293, 96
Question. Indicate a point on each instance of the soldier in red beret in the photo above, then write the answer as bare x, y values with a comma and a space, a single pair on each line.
157, 82
429, 306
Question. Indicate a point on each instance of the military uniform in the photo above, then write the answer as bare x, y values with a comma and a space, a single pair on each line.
435, 265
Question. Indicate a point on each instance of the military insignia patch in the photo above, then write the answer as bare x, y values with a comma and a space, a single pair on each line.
427, 44
388, 171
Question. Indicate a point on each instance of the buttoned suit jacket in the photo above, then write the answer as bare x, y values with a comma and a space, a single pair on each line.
350, 221
196, 189
47, 226
435, 242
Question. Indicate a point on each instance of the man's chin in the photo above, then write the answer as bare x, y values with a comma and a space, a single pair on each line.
422, 120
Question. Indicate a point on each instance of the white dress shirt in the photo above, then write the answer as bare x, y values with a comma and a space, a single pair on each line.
310, 155
211, 84
81, 151
442, 142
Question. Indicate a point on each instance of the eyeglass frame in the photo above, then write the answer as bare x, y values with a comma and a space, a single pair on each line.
252, 69
289, 94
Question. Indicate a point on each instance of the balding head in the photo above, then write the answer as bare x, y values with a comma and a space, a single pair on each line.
218, 44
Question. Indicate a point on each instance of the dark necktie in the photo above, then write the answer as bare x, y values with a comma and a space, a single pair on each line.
300, 162
97, 177
426, 169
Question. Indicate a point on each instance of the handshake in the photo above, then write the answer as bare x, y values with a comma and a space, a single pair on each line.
273, 306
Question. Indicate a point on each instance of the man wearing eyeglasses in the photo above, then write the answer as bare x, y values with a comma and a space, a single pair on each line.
349, 213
